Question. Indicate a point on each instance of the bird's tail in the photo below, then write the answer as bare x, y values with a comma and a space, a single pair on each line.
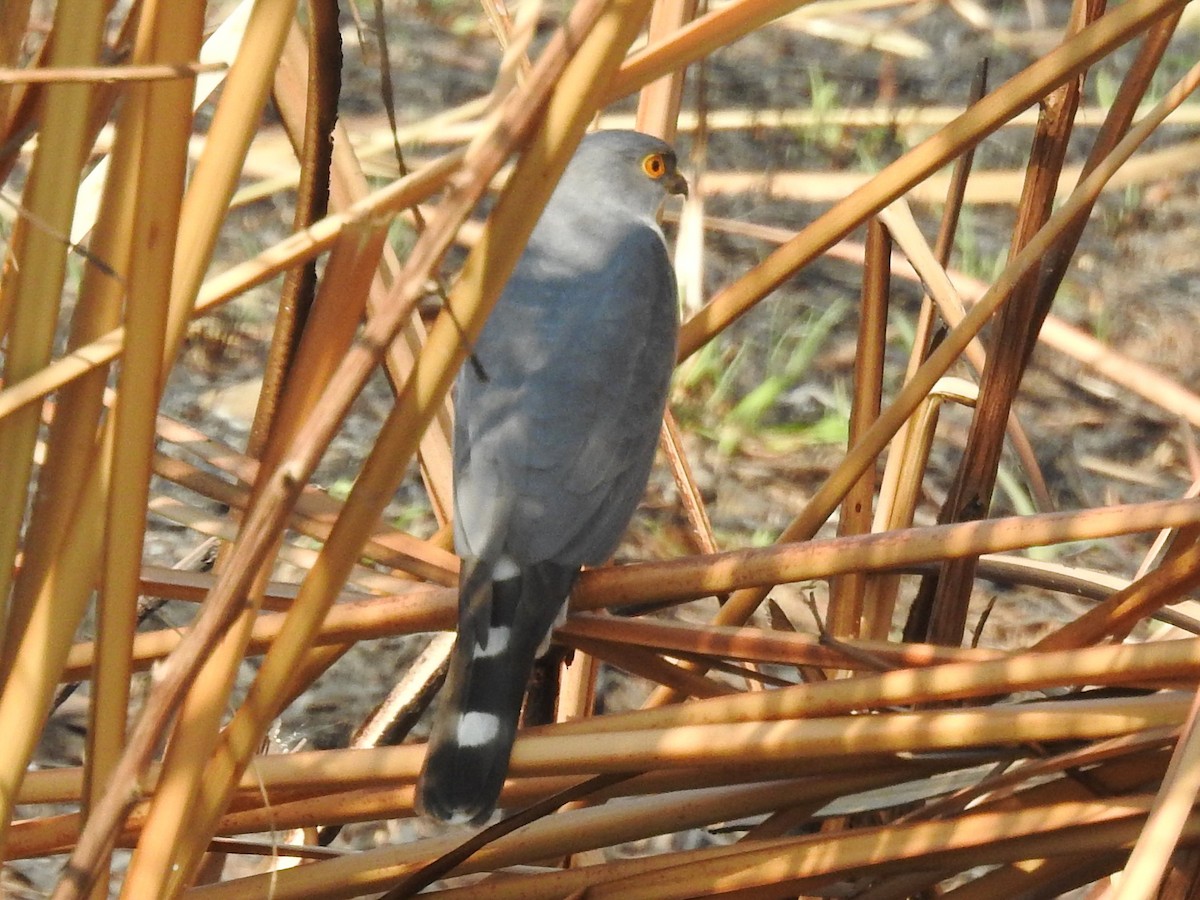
501, 624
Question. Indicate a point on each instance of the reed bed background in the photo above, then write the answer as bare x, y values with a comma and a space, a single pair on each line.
896, 621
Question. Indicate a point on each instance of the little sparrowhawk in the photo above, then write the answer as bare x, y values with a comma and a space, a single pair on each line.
556, 423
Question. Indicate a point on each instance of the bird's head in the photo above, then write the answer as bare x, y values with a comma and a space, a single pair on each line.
637, 167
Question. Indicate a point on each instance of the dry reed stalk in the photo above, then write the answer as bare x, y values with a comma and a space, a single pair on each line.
349, 189
222, 288
427, 608
30, 298
1019, 322
454, 126
697, 872
942, 291
847, 592
160, 167
659, 102
314, 515
987, 187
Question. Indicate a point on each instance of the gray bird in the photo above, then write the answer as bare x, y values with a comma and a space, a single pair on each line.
556, 423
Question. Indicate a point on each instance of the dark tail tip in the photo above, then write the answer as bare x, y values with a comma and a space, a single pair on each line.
459, 786
476, 724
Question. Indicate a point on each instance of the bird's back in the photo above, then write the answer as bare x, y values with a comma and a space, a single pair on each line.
556, 430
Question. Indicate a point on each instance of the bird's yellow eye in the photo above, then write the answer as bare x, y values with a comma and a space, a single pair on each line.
654, 165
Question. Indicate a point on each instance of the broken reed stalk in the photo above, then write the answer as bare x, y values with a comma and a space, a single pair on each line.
940, 608
847, 592
944, 599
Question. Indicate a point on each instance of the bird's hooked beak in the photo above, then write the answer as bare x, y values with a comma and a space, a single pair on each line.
675, 184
